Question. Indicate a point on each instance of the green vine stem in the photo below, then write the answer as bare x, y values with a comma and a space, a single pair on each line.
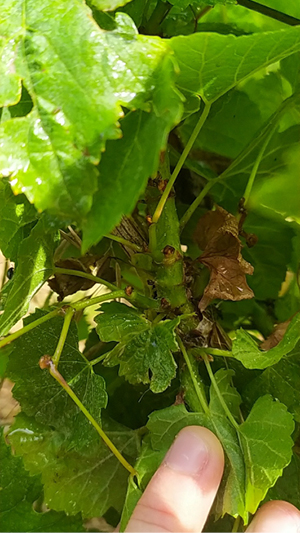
29, 327
236, 525
217, 390
63, 335
125, 242
198, 391
180, 163
269, 131
98, 299
46, 362
256, 166
85, 275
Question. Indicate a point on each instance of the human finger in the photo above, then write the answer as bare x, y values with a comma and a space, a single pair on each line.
276, 517
181, 492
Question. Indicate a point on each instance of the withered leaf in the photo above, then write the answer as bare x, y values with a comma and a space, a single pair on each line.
276, 336
217, 234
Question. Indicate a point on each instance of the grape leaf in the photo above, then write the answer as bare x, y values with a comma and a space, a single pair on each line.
281, 381
62, 137
267, 445
231, 495
144, 352
118, 322
108, 5
90, 481
122, 180
15, 213
18, 492
245, 349
10, 82
34, 266
41, 396
212, 64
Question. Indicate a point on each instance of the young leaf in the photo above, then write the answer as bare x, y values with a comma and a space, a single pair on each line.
118, 322
90, 481
10, 81
149, 351
204, 58
108, 5
51, 153
267, 446
34, 266
19, 491
41, 396
245, 349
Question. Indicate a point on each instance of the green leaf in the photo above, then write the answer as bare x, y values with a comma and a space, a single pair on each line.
19, 490
231, 495
281, 381
267, 445
41, 396
245, 349
118, 322
34, 267
204, 58
51, 153
108, 5
147, 351
90, 481
271, 255
122, 180
132, 497
10, 81
15, 213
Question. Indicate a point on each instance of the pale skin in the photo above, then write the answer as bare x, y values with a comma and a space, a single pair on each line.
181, 493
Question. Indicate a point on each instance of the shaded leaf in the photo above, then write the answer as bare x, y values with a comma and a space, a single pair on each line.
15, 213
217, 234
281, 381
245, 349
90, 481
267, 446
41, 396
18, 492
147, 356
34, 266
204, 58
287, 486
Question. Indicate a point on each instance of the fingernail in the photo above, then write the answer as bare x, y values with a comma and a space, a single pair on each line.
189, 453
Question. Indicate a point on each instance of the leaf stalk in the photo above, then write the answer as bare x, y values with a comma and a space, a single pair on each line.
198, 391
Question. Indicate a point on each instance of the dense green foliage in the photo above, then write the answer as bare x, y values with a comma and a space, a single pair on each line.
150, 149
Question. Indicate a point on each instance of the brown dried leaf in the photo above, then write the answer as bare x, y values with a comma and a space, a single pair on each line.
217, 234
276, 335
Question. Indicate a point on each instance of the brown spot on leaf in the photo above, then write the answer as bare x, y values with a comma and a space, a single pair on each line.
217, 234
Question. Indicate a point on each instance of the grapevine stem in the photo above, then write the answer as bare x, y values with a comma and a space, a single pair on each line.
29, 327
99, 299
256, 166
86, 275
129, 244
198, 391
236, 525
217, 390
63, 336
56, 375
180, 163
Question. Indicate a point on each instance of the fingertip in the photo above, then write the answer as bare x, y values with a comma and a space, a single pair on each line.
276, 516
